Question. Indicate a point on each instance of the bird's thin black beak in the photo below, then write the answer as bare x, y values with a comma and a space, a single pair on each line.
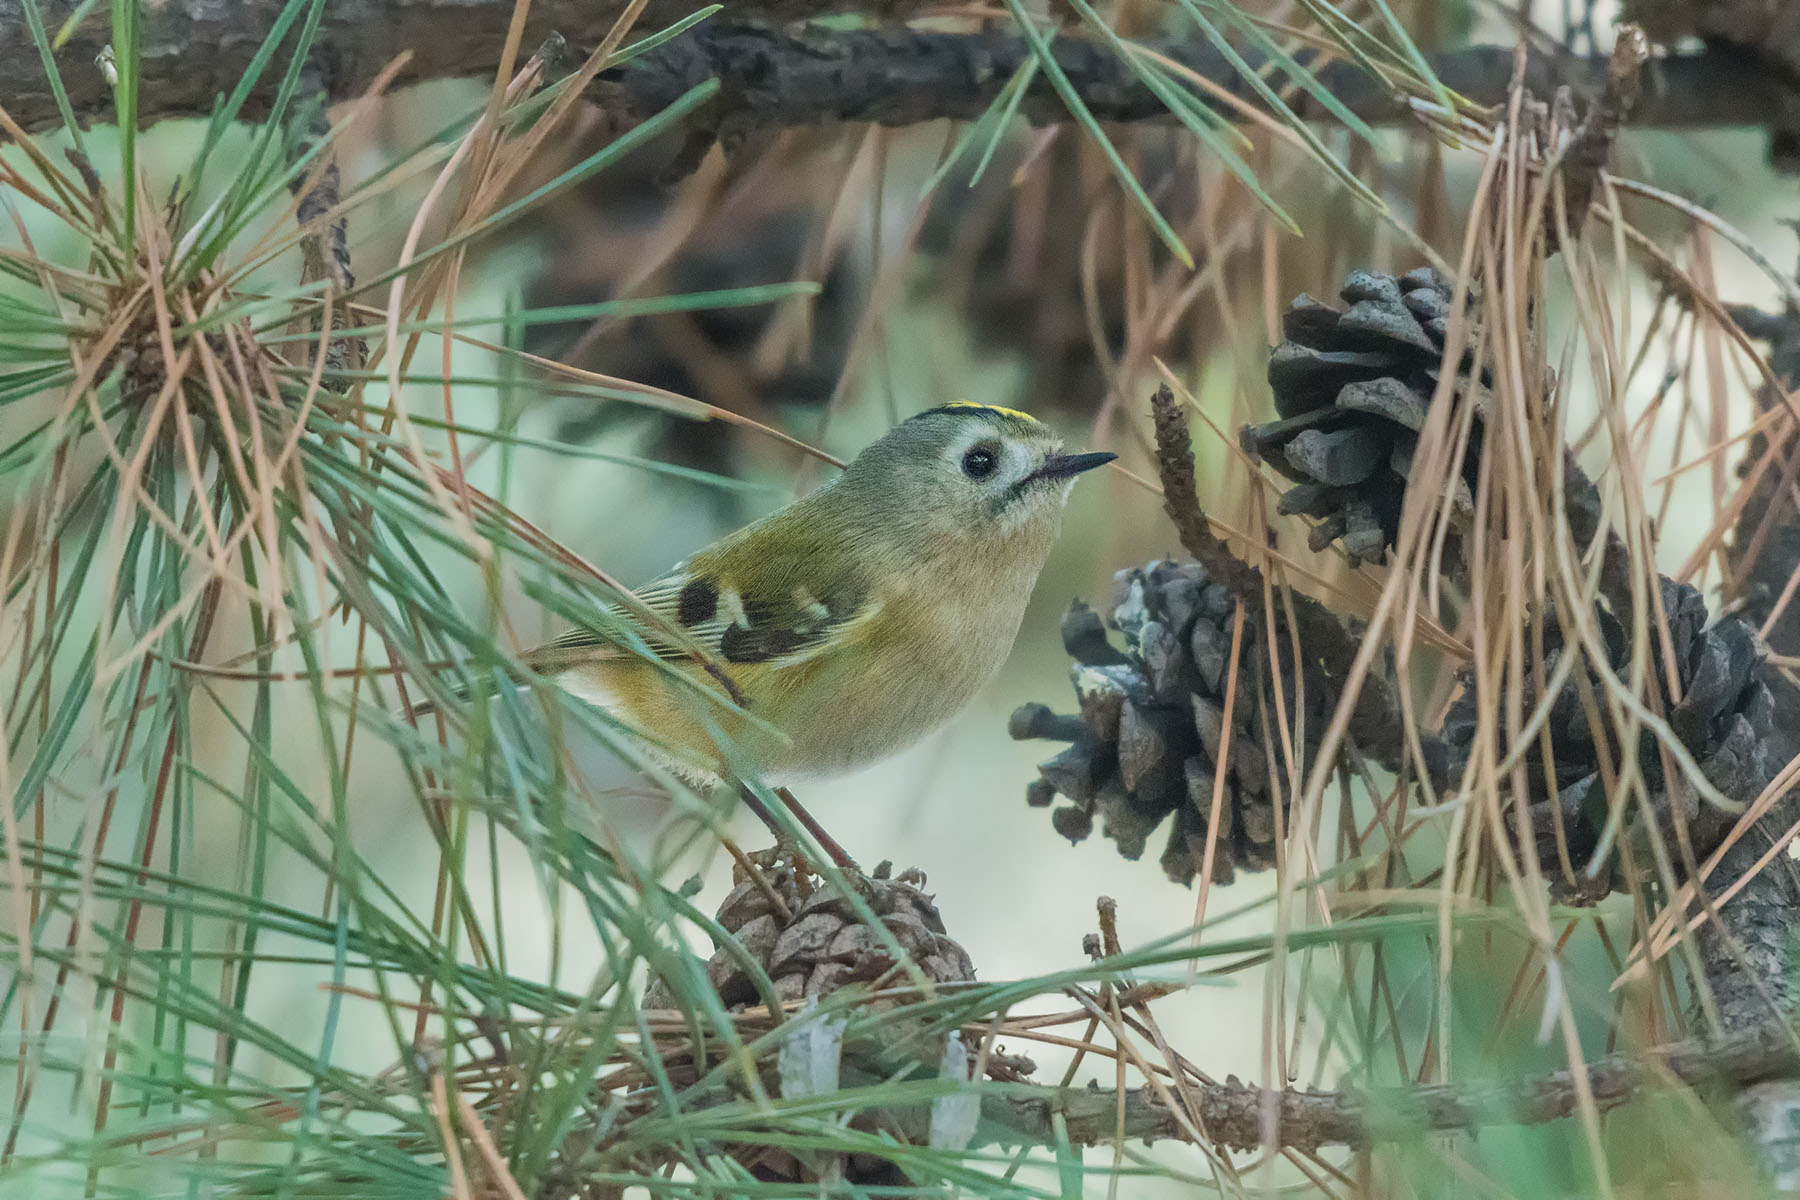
1064, 466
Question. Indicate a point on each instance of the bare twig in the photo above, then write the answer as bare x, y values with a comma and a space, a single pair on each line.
325, 240
1593, 139
1377, 723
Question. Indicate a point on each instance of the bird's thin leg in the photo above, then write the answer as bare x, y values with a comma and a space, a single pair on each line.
761, 812
825, 840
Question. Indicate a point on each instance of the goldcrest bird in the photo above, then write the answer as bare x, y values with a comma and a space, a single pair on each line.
859, 618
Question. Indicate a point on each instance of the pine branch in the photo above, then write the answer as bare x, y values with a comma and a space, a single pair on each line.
791, 75
1747, 954
199, 50
1233, 1115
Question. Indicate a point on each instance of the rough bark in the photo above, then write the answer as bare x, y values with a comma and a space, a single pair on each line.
196, 51
807, 75
776, 75
1748, 956
1233, 1114
1748, 962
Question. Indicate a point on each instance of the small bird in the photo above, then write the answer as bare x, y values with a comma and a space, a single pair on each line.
857, 619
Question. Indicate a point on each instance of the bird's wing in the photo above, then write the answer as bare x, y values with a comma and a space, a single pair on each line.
790, 618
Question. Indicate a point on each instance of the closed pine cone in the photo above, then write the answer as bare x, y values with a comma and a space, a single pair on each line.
1352, 387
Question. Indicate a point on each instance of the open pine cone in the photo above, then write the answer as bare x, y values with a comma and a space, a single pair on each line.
1352, 387
1147, 740
803, 932
1723, 720
815, 943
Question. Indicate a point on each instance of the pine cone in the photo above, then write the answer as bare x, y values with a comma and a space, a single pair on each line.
810, 942
1151, 724
1723, 719
1352, 388
818, 945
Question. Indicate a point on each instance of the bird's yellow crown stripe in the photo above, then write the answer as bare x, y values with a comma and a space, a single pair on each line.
1005, 412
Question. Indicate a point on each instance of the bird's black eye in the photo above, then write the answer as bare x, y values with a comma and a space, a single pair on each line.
979, 463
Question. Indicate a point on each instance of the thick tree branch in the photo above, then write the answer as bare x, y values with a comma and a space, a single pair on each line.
1747, 958
809, 75
197, 51
1769, 27
1747, 954
781, 75
1232, 1114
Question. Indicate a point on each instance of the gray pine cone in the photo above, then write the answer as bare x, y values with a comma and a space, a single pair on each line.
1352, 388
1152, 718
1724, 719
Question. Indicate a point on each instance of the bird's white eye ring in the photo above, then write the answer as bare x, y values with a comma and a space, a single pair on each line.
979, 463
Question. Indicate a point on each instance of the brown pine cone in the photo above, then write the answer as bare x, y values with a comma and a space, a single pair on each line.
807, 938
814, 944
